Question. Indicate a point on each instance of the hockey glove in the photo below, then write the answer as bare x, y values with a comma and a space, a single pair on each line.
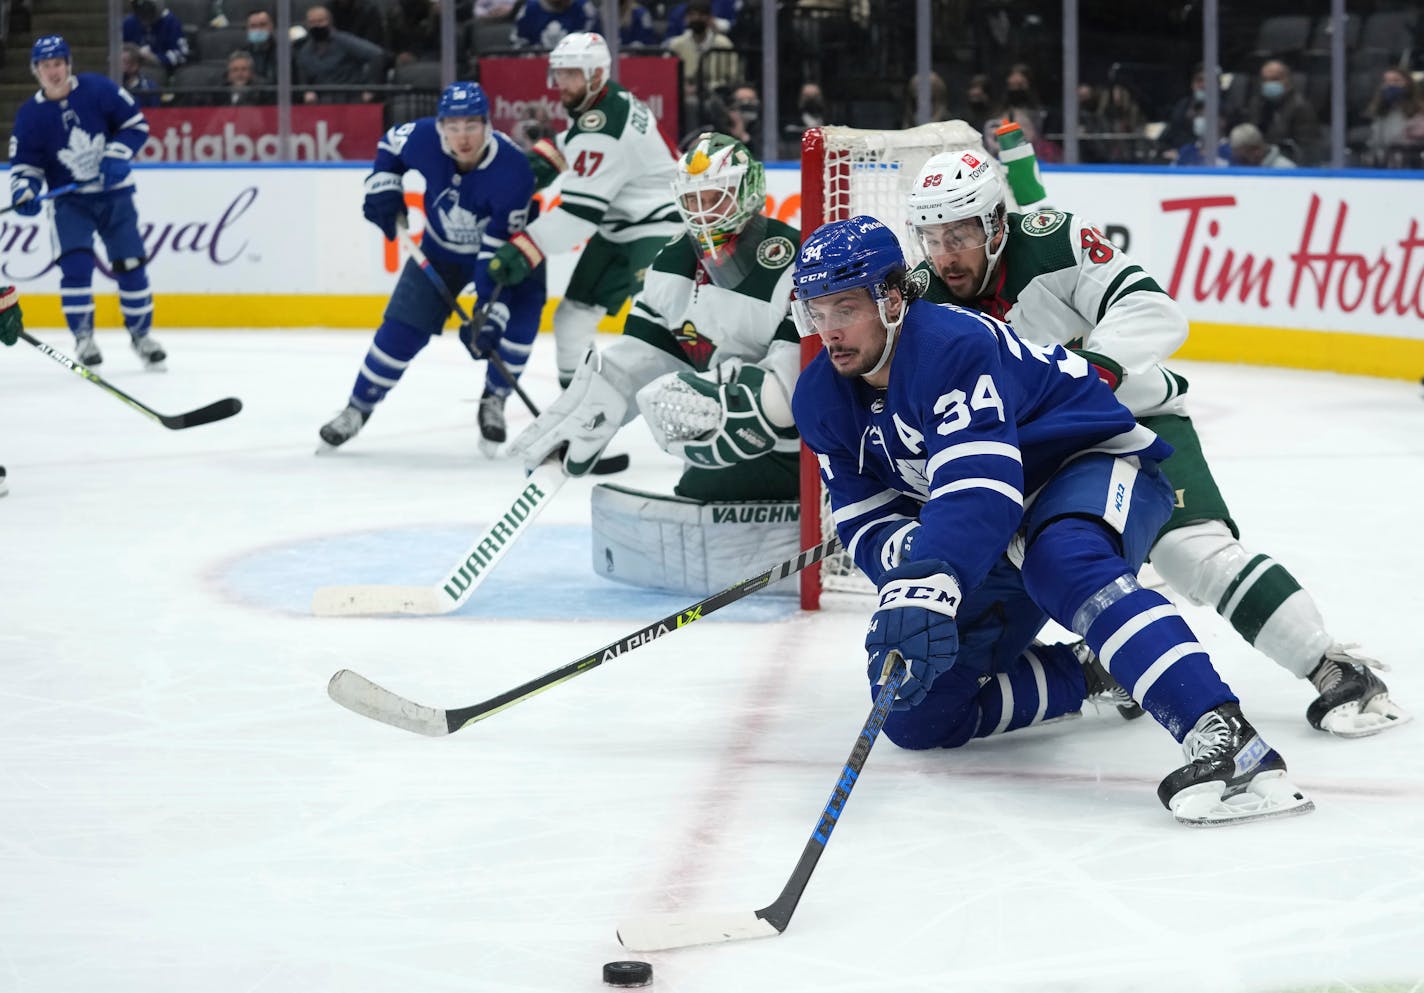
11, 320
515, 260
384, 203
582, 421
116, 164
25, 195
918, 601
480, 343
548, 162
712, 420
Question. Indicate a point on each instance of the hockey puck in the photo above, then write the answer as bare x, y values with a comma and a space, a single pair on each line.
628, 974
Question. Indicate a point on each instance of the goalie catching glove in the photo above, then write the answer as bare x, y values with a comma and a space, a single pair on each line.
918, 603
716, 419
582, 421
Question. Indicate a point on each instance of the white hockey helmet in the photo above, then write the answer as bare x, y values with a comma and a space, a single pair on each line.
581, 50
719, 163
957, 185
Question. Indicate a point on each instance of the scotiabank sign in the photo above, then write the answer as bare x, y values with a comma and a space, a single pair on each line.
324, 133
523, 106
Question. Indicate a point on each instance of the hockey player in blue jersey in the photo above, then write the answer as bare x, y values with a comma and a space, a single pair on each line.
85, 130
478, 186
986, 484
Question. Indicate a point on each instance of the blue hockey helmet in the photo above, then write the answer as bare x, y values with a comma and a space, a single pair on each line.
51, 46
463, 100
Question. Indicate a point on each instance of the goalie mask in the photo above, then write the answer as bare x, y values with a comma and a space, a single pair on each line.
587, 52
720, 189
954, 188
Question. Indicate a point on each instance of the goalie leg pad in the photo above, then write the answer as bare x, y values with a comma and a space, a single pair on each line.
575, 325
671, 543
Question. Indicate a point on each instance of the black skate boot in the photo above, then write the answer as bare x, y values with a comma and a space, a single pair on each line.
86, 351
1102, 688
1353, 701
1231, 775
492, 428
150, 352
3, 488
344, 426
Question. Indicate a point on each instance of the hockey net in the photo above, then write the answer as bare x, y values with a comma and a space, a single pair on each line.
846, 172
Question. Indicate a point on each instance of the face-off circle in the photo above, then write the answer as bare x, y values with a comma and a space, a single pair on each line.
628, 974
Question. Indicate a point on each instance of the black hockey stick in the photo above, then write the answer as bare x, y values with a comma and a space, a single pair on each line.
603, 467
357, 693
651, 934
51, 195
218, 411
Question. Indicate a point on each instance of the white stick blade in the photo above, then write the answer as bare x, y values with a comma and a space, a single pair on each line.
657, 933
365, 601
355, 692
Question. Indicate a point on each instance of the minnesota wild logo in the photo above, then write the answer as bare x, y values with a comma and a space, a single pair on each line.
694, 345
1042, 222
592, 121
774, 253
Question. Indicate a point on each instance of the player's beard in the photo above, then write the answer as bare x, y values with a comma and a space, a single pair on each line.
859, 366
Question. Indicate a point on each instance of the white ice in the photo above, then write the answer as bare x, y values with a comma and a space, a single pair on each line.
183, 809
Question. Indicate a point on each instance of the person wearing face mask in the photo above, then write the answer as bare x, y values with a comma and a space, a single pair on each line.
1396, 116
1186, 116
328, 57
158, 34
1283, 114
1021, 106
262, 46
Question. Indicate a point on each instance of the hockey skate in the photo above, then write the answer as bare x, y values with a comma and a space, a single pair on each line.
3, 488
492, 428
344, 426
1102, 688
150, 353
1231, 775
1353, 701
86, 352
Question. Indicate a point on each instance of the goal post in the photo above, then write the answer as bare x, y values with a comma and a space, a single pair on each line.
846, 172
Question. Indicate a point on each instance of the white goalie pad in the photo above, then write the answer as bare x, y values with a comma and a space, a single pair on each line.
670, 543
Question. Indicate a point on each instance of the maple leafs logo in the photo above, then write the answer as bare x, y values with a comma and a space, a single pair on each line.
461, 226
82, 155
694, 345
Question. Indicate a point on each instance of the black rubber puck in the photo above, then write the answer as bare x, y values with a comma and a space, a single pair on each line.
628, 974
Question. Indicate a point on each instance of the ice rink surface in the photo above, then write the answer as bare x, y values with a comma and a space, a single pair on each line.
182, 808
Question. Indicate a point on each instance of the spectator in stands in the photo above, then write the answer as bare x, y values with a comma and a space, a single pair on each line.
543, 23
244, 87
1396, 116
811, 105
359, 17
1021, 106
939, 101
978, 103
1248, 147
724, 16
158, 34
413, 30
700, 38
141, 86
635, 25
261, 45
1106, 112
744, 117
327, 57
1180, 129
1283, 115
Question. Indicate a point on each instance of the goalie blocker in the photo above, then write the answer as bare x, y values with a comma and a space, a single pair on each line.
672, 543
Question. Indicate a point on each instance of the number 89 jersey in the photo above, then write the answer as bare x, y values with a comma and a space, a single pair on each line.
974, 421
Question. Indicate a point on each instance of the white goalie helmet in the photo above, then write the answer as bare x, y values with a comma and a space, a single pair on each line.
719, 187
955, 186
581, 50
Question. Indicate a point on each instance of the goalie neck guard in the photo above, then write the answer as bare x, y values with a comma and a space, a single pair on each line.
719, 189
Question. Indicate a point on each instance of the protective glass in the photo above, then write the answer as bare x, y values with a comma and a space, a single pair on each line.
965, 235
833, 311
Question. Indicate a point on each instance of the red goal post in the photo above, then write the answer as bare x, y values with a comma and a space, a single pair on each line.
846, 172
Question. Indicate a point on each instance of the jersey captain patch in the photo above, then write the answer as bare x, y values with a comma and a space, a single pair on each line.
694, 345
593, 121
1043, 222
775, 253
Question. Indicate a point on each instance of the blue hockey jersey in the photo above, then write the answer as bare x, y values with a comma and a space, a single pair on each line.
164, 38
467, 215
973, 422
62, 141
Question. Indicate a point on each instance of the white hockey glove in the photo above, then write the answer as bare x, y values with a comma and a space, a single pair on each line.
715, 419
582, 421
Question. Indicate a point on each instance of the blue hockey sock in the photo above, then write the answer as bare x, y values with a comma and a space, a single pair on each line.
394, 346
77, 302
135, 301
1045, 682
516, 357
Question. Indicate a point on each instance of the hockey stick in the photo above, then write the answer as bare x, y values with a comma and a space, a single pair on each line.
203, 415
357, 693
656, 933
467, 574
603, 467
51, 195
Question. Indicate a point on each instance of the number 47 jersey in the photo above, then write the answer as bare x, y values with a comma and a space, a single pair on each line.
974, 421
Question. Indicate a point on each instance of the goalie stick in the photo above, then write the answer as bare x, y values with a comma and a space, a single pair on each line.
663, 931
603, 467
357, 693
469, 571
216, 411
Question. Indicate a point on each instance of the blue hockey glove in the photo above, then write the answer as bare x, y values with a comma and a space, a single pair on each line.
918, 601
384, 203
114, 170
11, 320
481, 343
515, 260
25, 195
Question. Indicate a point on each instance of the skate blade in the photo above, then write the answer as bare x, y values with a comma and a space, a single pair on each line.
490, 449
1269, 795
1350, 721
